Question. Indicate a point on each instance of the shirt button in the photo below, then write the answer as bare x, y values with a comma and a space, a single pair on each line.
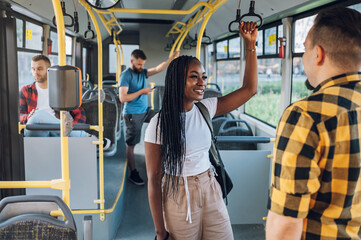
197, 179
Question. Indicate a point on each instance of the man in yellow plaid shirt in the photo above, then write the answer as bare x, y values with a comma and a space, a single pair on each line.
316, 185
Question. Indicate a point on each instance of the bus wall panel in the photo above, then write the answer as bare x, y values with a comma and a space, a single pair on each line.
43, 163
250, 174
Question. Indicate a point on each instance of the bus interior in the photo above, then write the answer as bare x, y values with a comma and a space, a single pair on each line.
98, 37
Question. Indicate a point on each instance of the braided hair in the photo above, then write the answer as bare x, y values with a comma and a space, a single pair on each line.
171, 120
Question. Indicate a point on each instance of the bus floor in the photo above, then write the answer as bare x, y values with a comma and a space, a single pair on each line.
137, 223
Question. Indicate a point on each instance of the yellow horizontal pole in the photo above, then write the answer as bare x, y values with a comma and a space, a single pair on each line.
111, 20
59, 184
98, 211
102, 18
25, 184
159, 11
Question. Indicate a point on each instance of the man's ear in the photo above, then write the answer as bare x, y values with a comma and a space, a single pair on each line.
320, 55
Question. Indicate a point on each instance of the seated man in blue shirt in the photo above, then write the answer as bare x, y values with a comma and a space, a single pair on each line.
133, 92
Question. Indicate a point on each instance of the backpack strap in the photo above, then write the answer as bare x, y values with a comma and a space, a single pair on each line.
213, 150
205, 113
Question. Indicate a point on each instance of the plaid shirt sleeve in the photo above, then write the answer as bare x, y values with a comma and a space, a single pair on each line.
27, 102
23, 107
78, 115
295, 164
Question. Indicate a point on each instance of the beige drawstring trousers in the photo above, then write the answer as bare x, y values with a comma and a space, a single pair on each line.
209, 214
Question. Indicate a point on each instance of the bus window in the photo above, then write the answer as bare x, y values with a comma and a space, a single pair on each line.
228, 75
222, 50
68, 45
20, 33
24, 68
234, 47
265, 105
299, 89
33, 35
302, 26
84, 63
54, 58
270, 46
27, 48
112, 58
356, 7
227, 64
259, 43
210, 61
127, 51
54, 39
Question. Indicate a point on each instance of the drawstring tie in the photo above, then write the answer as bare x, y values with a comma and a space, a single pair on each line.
189, 214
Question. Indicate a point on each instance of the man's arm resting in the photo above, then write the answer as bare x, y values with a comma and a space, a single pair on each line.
125, 97
280, 227
161, 67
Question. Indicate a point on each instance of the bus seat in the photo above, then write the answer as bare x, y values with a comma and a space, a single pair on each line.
110, 117
217, 122
114, 90
28, 217
227, 128
210, 92
86, 85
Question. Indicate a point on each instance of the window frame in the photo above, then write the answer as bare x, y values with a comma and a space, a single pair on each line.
275, 24
225, 39
27, 19
263, 28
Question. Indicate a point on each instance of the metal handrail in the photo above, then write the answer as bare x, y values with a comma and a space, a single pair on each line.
64, 183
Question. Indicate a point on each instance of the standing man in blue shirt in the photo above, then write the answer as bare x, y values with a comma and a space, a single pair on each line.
133, 92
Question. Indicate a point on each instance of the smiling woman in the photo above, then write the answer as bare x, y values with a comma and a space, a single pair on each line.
178, 140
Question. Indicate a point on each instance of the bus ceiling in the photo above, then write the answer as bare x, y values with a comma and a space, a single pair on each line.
217, 27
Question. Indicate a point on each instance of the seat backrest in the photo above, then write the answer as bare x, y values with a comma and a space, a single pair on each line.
114, 90
217, 122
227, 128
210, 92
110, 114
28, 217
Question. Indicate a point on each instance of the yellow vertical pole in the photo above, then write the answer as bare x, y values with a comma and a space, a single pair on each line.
152, 85
121, 56
64, 139
100, 107
117, 75
201, 31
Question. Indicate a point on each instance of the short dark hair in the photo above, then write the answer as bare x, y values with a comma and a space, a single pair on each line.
338, 31
137, 53
41, 57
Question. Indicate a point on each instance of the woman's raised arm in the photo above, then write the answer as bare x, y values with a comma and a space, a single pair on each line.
237, 98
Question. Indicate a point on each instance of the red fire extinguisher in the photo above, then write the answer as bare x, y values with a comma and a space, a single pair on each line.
281, 48
50, 44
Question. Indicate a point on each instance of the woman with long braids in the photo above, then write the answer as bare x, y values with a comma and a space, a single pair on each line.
187, 204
